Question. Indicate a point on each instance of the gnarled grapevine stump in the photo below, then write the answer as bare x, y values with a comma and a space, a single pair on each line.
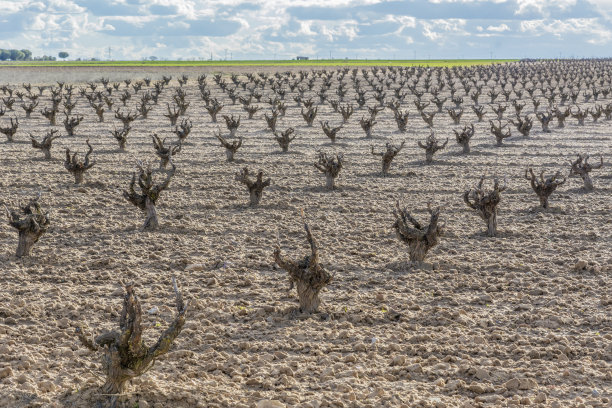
307, 275
419, 238
31, 222
485, 203
126, 355
149, 193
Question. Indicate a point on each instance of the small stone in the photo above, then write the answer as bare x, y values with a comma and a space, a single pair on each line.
512, 384
476, 388
350, 358
279, 355
479, 340
488, 399
527, 384
380, 297
195, 267
453, 385
482, 374
540, 398
581, 264
270, 404
486, 299
117, 292
360, 347
344, 388
328, 372
22, 379
398, 360
255, 381
286, 370
46, 386
6, 372
63, 323
563, 357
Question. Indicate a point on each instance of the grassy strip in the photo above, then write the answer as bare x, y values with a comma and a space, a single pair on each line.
263, 63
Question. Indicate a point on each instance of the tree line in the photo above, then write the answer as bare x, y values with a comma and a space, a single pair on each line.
22, 55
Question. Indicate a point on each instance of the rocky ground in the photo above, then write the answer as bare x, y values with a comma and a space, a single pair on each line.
523, 318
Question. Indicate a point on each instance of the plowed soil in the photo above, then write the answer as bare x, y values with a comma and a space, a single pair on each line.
520, 318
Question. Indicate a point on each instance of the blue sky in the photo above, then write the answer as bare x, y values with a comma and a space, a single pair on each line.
282, 29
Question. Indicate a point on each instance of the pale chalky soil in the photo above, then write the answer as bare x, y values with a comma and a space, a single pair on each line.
497, 322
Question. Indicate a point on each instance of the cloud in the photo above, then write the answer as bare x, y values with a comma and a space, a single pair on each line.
439, 31
543, 6
253, 29
498, 29
595, 32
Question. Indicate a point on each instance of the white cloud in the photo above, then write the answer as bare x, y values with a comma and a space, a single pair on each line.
346, 29
264, 28
305, 28
467, 1
543, 6
596, 33
499, 28
440, 30
179, 24
10, 7
405, 23
64, 6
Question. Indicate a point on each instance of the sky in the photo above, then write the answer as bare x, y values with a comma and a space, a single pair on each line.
284, 29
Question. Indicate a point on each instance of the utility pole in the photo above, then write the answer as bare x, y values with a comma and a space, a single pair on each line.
330, 56
226, 54
109, 53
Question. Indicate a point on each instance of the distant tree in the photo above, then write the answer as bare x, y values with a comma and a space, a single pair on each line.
17, 55
63, 54
153, 58
44, 58
27, 54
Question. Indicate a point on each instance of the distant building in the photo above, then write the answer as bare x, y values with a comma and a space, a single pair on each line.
299, 58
